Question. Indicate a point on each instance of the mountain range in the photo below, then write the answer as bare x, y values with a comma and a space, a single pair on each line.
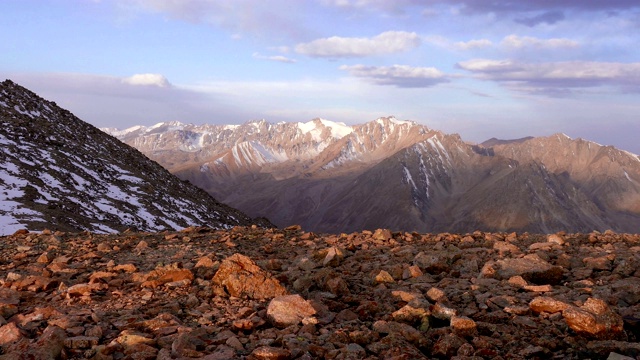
401, 175
60, 173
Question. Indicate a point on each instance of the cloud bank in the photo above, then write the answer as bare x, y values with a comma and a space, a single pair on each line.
147, 80
388, 42
556, 77
402, 76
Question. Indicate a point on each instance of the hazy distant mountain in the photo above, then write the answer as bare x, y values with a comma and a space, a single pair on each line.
331, 177
59, 172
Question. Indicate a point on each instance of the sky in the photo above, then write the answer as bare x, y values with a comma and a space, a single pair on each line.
479, 68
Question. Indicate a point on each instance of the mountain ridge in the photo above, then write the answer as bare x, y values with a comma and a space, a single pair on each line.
405, 176
62, 173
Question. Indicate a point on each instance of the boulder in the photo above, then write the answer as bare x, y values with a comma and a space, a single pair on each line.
243, 278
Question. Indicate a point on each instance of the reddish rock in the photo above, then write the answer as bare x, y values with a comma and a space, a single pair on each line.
289, 310
10, 333
81, 342
532, 268
463, 326
48, 346
447, 346
594, 319
85, 289
411, 272
164, 276
555, 239
384, 277
270, 353
241, 277
434, 262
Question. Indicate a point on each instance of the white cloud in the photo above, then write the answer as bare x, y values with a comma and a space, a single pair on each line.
398, 75
278, 58
557, 77
147, 80
519, 42
473, 44
339, 47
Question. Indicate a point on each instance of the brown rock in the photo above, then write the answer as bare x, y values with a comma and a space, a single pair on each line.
384, 277
10, 333
598, 263
382, 234
288, 310
241, 277
167, 276
447, 346
434, 262
332, 256
594, 319
270, 353
532, 268
410, 315
411, 272
406, 331
463, 326
81, 342
547, 304
222, 352
85, 289
435, 295
49, 345
129, 268
337, 286
555, 239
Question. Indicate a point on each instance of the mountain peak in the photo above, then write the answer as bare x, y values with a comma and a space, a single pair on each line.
57, 171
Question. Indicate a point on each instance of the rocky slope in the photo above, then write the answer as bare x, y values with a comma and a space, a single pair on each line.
252, 293
398, 174
57, 171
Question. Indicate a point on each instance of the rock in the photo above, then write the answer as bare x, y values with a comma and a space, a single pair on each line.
270, 353
547, 304
463, 326
242, 278
222, 352
382, 235
10, 333
404, 330
85, 289
602, 348
616, 356
48, 346
594, 319
96, 300
532, 268
555, 239
410, 315
354, 351
447, 346
436, 295
332, 256
288, 310
411, 272
384, 277
434, 262
81, 342
167, 276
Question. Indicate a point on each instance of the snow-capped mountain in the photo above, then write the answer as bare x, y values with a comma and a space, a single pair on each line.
401, 175
58, 172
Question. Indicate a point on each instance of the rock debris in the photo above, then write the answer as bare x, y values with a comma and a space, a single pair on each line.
254, 293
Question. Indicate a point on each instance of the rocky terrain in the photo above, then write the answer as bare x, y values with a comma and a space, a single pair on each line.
254, 293
401, 175
59, 172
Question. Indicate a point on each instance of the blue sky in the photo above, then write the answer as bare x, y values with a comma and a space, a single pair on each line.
480, 68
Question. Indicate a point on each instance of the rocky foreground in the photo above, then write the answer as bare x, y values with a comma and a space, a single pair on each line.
251, 293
